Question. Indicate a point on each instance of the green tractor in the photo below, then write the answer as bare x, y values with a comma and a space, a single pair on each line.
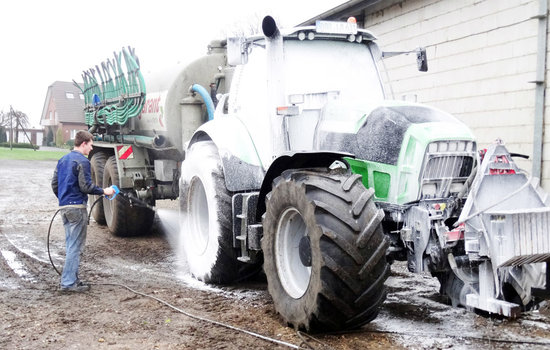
303, 168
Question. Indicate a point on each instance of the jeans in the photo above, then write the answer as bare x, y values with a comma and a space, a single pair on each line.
75, 223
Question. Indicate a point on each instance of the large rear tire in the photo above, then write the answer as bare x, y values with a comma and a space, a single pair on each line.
324, 250
122, 219
97, 168
206, 229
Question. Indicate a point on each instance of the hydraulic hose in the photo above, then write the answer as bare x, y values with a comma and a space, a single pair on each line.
206, 98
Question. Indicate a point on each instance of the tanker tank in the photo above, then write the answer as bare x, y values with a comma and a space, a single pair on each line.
176, 102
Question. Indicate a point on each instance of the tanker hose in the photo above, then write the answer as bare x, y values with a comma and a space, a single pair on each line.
206, 98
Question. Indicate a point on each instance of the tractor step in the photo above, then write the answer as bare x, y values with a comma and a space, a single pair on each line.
246, 232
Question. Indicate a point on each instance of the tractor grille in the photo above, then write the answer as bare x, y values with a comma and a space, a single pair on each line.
442, 167
447, 165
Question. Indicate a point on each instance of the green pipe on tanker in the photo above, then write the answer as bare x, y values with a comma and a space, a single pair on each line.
157, 141
114, 89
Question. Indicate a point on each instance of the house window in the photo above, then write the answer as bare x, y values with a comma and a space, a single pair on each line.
69, 95
73, 134
51, 115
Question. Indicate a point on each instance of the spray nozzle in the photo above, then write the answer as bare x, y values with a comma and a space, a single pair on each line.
117, 191
132, 200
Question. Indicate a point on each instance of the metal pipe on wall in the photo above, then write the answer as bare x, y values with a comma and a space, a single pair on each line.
540, 82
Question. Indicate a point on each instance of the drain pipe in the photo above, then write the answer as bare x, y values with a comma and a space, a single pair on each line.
540, 82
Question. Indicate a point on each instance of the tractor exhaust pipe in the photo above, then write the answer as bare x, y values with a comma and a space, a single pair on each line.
275, 84
269, 27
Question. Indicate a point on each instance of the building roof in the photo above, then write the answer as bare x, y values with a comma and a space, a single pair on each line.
356, 8
69, 110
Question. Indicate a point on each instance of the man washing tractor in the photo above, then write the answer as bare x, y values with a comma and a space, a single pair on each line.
71, 184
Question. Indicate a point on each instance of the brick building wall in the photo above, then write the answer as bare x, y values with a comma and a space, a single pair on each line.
69, 130
482, 62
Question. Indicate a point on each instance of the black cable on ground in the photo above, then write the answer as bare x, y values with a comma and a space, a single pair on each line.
217, 323
304, 342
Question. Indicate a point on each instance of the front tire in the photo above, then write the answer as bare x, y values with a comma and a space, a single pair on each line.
122, 219
206, 229
324, 250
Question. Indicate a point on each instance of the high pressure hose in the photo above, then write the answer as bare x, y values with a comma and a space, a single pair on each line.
48, 243
50, 229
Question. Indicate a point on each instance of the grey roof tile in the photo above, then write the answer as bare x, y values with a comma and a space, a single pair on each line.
69, 110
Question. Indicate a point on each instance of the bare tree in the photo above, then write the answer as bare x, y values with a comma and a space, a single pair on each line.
4, 119
4, 122
19, 120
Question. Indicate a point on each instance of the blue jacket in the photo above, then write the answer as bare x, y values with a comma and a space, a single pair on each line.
72, 180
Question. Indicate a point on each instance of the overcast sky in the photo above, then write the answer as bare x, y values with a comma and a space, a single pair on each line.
45, 41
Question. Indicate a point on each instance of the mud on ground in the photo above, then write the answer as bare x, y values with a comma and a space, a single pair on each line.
33, 314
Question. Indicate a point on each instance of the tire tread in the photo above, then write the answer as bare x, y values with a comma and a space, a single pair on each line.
353, 260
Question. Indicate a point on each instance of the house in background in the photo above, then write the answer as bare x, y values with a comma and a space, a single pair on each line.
63, 112
36, 136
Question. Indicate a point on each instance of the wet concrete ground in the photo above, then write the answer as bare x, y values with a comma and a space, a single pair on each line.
33, 314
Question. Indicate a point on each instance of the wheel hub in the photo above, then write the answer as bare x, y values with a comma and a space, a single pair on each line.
293, 253
305, 251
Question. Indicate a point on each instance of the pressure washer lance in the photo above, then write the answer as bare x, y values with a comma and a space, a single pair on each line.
133, 201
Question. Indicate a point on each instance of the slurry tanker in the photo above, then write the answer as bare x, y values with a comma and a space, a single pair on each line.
285, 155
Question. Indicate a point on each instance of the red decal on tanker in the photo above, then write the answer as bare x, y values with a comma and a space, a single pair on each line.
151, 105
125, 152
161, 117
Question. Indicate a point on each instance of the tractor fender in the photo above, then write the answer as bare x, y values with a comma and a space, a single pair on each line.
242, 167
295, 160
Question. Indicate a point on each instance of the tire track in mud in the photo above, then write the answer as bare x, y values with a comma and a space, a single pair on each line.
17, 270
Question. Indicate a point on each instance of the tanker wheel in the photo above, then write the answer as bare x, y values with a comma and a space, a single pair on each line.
206, 229
122, 219
324, 250
97, 166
